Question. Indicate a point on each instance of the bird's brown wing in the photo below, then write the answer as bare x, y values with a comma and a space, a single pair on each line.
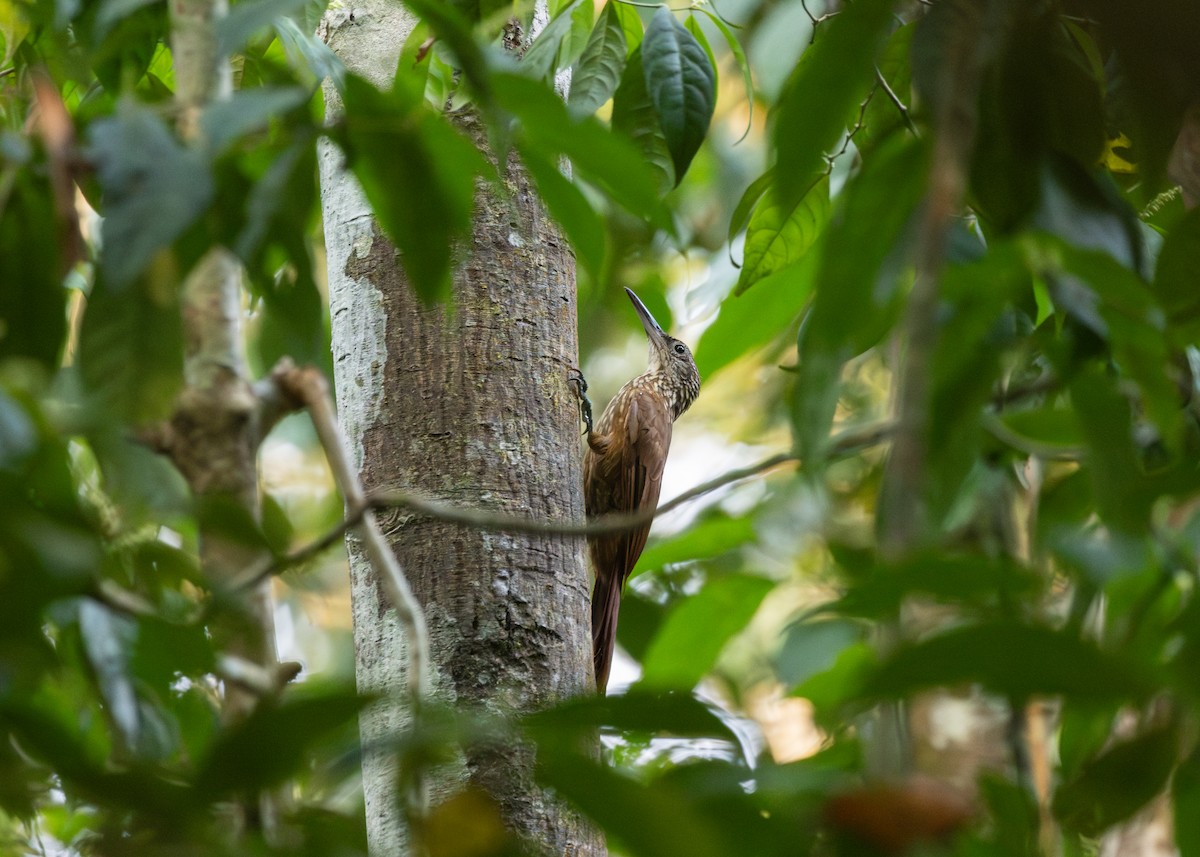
628, 478
623, 473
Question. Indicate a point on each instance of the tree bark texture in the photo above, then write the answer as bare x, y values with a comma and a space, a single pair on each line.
467, 403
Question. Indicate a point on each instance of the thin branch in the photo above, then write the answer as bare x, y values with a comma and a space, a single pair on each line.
895, 99
258, 680
483, 519
845, 443
308, 386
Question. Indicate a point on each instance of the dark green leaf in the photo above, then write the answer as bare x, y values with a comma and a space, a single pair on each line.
631, 812
1185, 800
307, 53
831, 80
856, 285
418, 174
638, 711
130, 375
274, 742
18, 434
455, 31
1104, 419
682, 86
248, 17
634, 116
735, 48
598, 71
780, 236
882, 115
692, 25
539, 61
570, 208
33, 301
154, 189
1017, 660
112, 11
752, 320
1118, 783
962, 580
750, 197
600, 157
1042, 430
697, 630
246, 111
1175, 275
107, 639
810, 648
709, 537
631, 23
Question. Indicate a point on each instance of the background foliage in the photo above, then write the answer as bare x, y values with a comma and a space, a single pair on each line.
763, 174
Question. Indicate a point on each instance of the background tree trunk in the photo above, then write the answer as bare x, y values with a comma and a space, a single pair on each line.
467, 404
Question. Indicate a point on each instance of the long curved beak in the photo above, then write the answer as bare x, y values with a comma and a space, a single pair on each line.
653, 331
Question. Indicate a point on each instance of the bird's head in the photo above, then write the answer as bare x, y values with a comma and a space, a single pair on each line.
670, 361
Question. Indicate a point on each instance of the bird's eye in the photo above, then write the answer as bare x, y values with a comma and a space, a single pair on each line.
679, 349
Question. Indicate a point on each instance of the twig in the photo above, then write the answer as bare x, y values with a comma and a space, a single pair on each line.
252, 677
895, 99
308, 387
843, 444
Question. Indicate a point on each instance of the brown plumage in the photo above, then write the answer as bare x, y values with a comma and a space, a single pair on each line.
623, 469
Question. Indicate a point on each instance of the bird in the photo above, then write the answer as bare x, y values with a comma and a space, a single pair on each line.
623, 469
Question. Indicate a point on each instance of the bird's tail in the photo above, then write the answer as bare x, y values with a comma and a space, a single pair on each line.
606, 603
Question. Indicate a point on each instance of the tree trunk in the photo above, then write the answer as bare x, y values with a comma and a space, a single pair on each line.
468, 404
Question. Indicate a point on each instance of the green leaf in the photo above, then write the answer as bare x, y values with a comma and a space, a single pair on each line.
417, 173
696, 631
247, 110
709, 537
752, 320
735, 48
274, 742
832, 78
638, 711
598, 71
631, 23
570, 208
247, 18
682, 86
1104, 419
856, 283
629, 811
1045, 430
107, 639
33, 301
966, 581
810, 648
602, 158
1174, 277
750, 197
539, 61
309, 55
130, 375
634, 115
1013, 659
1185, 801
882, 116
779, 236
154, 189
1117, 783
692, 25
452, 28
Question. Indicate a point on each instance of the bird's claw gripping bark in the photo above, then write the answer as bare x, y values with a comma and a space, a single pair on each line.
579, 385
